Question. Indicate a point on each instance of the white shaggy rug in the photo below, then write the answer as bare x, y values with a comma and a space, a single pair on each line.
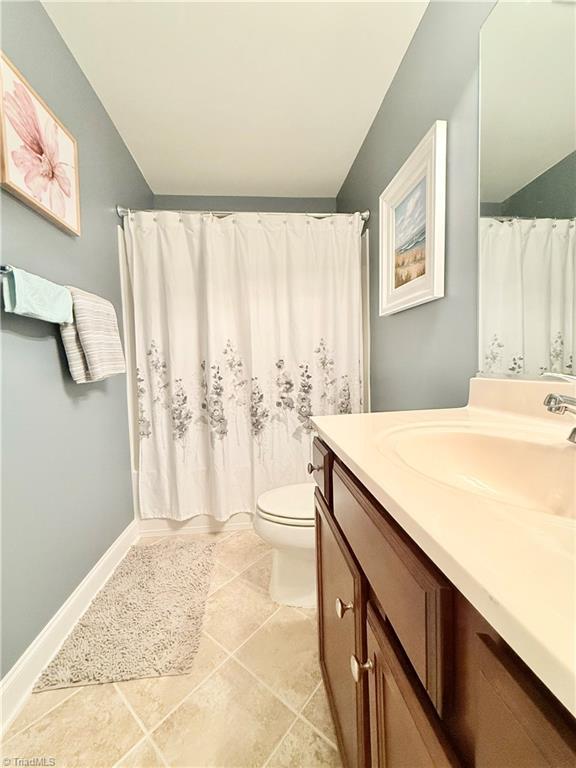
145, 621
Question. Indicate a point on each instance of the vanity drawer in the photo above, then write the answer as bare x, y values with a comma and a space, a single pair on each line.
321, 468
414, 596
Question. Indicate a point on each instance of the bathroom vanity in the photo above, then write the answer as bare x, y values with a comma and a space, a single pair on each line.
446, 611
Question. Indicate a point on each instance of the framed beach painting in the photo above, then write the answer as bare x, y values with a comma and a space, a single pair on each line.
39, 157
412, 216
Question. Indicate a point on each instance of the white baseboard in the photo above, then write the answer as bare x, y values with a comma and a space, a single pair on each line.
18, 682
199, 524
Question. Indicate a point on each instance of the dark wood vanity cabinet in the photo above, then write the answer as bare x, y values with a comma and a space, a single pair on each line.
517, 726
410, 591
405, 731
341, 615
321, 469
415, 676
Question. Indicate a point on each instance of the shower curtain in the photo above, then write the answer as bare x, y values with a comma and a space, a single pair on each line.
244, 327
527, 296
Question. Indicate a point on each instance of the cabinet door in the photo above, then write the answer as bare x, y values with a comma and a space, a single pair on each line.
341, 618
518, 726
405, 730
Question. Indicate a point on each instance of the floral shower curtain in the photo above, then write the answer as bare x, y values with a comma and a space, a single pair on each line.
527, 296
245, 326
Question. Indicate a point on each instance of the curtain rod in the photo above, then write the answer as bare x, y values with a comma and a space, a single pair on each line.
365, 215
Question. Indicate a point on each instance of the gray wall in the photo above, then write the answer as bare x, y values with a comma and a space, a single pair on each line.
66, 473
423, 357
490, 209
550, 195
214, 203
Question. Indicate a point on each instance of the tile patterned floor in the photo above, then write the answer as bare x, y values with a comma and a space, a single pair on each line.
254, 696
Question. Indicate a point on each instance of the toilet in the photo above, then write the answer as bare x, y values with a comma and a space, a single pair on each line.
285, 519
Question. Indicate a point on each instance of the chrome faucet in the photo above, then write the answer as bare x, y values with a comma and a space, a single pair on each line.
561, 404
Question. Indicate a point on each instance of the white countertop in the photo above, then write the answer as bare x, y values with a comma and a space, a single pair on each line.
516, 566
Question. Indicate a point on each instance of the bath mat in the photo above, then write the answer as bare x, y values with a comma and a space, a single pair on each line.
146, 620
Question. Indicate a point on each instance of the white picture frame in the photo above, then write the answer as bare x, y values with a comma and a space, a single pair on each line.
412, 227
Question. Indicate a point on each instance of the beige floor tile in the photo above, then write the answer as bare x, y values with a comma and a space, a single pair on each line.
220, 575
258, 574
153, 697
240, 550
283, 653
142, 756
303, 748
311, 613
36, 706
92, 728
235, 611
317, 711
230, 721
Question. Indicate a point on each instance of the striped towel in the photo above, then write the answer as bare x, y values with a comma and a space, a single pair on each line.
92, 342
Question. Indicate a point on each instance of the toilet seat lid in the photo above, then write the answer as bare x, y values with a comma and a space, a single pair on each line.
291, 504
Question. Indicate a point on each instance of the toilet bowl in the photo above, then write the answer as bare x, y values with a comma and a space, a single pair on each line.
285, 519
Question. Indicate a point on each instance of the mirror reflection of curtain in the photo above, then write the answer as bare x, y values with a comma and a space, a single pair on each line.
245, 326
527, 290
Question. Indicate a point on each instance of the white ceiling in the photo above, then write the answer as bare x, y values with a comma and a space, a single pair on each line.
528, 104
240, 98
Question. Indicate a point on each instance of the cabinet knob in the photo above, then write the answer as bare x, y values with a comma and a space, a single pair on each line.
314, 468
342, 607
357, 668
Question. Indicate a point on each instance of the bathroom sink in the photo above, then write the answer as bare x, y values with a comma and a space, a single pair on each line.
530, 468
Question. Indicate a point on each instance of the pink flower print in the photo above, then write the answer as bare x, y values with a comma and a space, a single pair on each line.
37, 157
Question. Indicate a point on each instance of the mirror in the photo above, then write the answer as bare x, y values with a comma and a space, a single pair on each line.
527, 231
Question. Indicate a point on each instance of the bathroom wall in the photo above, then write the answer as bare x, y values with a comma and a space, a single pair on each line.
66, 492
214, 203
549, 195
490, 209
423, 357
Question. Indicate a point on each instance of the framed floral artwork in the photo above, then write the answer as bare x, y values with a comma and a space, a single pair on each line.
39, 157
412, 217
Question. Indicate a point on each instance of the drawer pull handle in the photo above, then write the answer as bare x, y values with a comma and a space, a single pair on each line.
314, 468
357, 668
342, 607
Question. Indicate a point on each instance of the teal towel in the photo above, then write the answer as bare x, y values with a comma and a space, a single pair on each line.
32, 296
